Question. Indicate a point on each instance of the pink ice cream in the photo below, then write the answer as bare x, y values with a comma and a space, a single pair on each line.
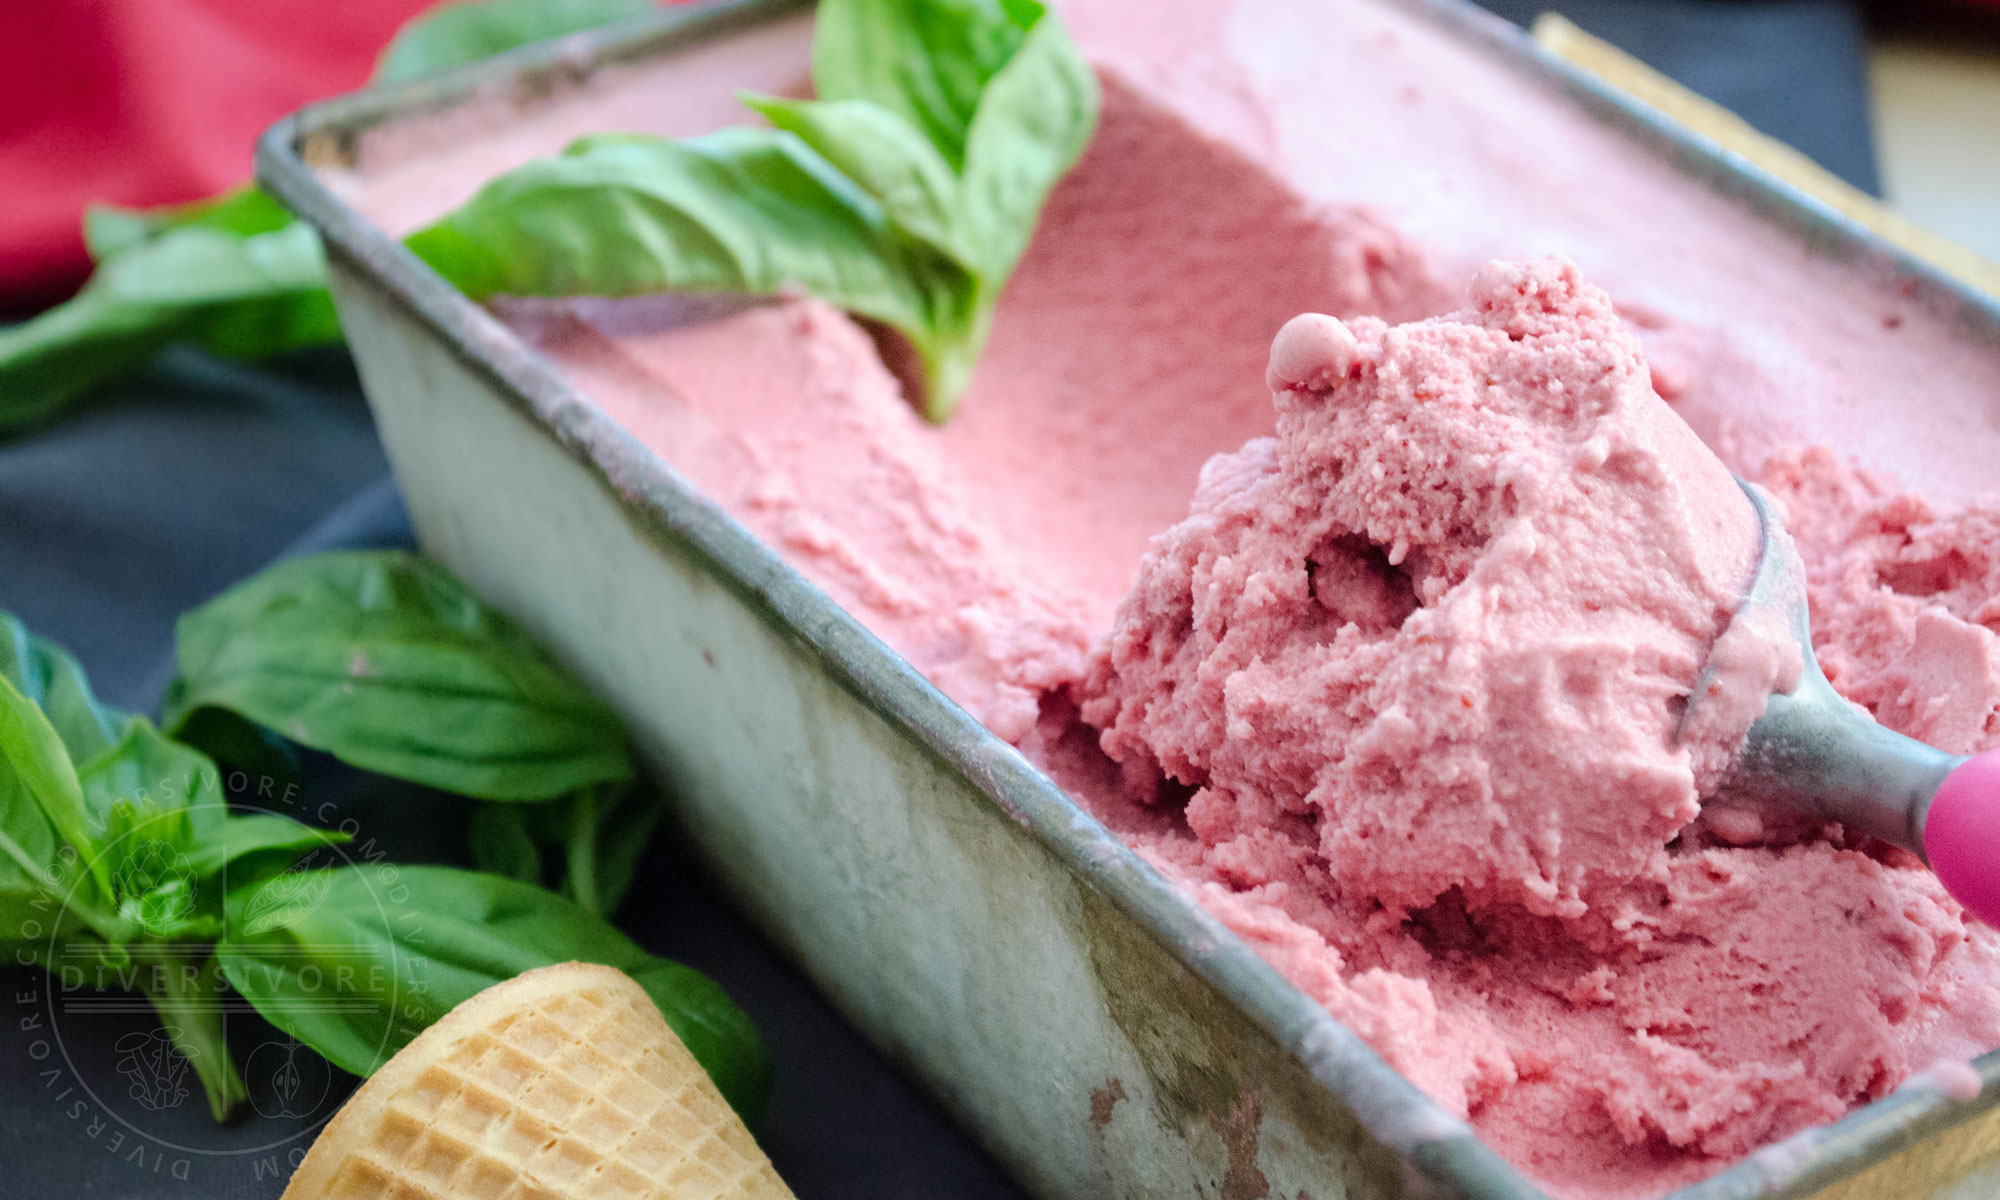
1413, 672
1905, 596
1439, 633
1432, 776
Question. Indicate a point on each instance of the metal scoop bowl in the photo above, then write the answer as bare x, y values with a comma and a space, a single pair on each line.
1814, 752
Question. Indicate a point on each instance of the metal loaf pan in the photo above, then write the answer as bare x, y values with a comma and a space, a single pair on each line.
1102, 1035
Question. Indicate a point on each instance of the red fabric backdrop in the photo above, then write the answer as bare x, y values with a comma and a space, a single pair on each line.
151, 102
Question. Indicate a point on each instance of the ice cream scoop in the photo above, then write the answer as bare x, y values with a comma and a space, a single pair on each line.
1813, 751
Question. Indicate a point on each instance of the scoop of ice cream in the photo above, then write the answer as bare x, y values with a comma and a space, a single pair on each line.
1441, 629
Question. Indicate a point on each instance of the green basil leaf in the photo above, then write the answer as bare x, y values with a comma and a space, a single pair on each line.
624, 827
385, 661
592, 839
155, 888
49, 362
905, 194
32, 862
108, 231
580, 815
500, 842
47, 675
30, 871
148, 769
245, 834
398, 947
240, 296
880, 151
927, 61
245, 211
39, 768
739, 210
1034, 120
451, 35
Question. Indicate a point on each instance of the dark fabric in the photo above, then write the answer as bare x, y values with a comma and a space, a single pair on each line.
1796, 69
178, 483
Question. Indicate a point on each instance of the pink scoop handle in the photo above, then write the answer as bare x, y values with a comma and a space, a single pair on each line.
1962, 835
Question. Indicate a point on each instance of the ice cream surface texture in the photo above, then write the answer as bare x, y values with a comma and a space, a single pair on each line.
1381, 663
1439, 632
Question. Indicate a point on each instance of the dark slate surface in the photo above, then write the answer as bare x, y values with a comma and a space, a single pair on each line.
180, 482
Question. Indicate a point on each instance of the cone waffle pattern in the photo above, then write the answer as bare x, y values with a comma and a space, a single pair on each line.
561, 1083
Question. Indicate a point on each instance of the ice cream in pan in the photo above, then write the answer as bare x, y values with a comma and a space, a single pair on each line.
1388, 663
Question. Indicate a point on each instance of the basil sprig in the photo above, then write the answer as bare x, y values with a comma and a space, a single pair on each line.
387, 662
235, 275
118, 846
113, 858
905, 193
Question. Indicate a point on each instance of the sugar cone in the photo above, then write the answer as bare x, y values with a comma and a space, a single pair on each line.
559, 1084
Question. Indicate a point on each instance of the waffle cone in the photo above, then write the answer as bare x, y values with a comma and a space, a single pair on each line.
563, 1083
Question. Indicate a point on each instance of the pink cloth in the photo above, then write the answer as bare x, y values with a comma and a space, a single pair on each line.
144, 102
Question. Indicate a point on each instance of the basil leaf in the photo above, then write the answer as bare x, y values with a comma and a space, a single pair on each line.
155, 888
500, 843
593, 838
454, 34
47, 675
927, 61
388, 663
905, 194
39, 770
739, 210
222, 281
245, 834
239, 296
147, 768
1033, 123
51, 686
398, 947
882, 153
29, 866
108, 231
247, 210
624, 827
